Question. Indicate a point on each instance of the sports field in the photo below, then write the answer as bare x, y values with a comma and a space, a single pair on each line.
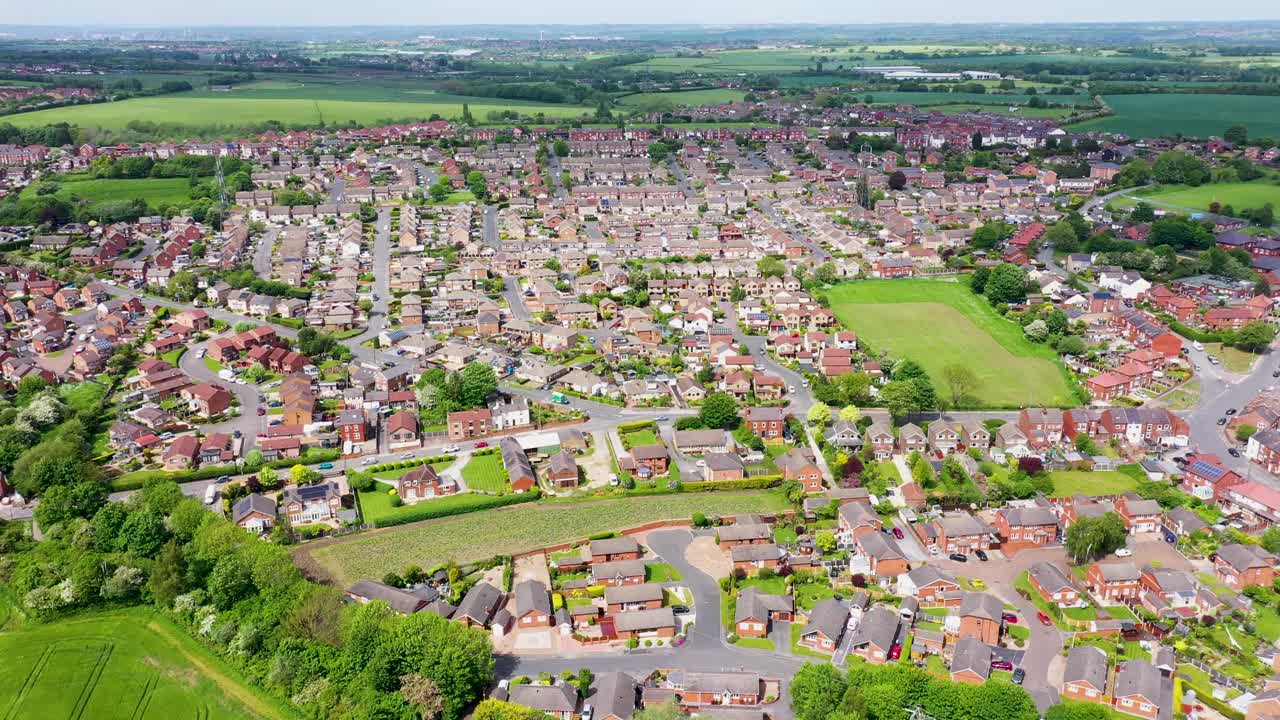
238, 109
505, 531
939, 323
1195, 115
1238, 195
121, 665
157, 192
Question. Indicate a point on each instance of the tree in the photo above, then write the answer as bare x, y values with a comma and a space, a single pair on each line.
269, 478
897, 180
899, 397
1271, 540
561, 148
1244, 432
168, 574
908, 370
1135, 172
1036, 331
1176, 167
1008, 284
815, 690
298, 474
819, 414
850, 413
826, 541
143, 534
1093, 537
61, 503
961, 380
1236, 135
1077, 711
477, 184
1255, 336
28, 388
771, 267
988, 237
231, 581
479, 381
422, 693
719, 411
1143, 213
978, 280
1062, 237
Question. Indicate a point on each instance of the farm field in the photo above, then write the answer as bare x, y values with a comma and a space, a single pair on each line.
939, 323
1022, 110
657, 100
157, 192
1240, 195
231, 109
922, 99
127, 664
1195, 115
504, 531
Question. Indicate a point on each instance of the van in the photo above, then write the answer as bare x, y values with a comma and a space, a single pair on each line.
210, 494
1198, 346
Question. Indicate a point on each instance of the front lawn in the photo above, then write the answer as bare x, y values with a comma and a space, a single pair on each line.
637, 438
757, 643
797, 629
660, 573
213, 365
486, 473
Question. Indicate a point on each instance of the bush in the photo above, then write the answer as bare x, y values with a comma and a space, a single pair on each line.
700, 520
396, 500
633, 643
595, 591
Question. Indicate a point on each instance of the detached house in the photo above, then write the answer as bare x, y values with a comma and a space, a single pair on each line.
309, 504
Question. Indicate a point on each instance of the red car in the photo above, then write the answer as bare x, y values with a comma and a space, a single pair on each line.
482, 444
897, 532
895, 652
1001, 665
1044, 619
1010, 618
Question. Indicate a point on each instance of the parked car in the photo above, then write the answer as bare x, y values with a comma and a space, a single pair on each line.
897, 532
982, 555
1124, 552
663, 418
1231, 411
1233, 452
1044, 619
895, 652
481, 445
1009, 617
1170, 538
1222, 421
1019, 675
978, 583
1001, 665
791, 388
701, 463
959, 557
325, 466
451, 448
262, 411
367, 461
406, 456
1276, 374
680, 609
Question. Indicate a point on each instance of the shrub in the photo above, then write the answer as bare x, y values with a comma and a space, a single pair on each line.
700, 520
633, 643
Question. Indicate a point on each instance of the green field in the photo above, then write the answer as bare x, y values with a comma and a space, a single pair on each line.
232, 109
1098, 482
121, 665
1195, 115
950, 109
486, 472
922, 99
505, 531
157, 192
940, 323
693, 98
1239, 195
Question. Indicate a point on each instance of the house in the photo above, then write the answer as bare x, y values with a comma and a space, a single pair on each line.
961, 533
699, 442
825, 626
614, 696
1021, 528
880, 435
651, 460
618, 572
424, 483
767, 423
308, 504
533, 604
1085, 675
562, 470
801, 466
642, 624
1242, 565
559, 701
700, 689
971, 661
844, 434
1052, 583
912, 439
206, 399
755, 612
478, 605
730, 536
930, 586
1140, 516
612, 549
401, 430
749, 558
626, 598
981, 616
1114, 583
466, 424
876, 635
255, 513
1138, 689
519, 469
884, 557
404, 602
723, 466
857, 519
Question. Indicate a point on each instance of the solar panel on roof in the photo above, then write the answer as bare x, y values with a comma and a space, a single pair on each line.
1205, 469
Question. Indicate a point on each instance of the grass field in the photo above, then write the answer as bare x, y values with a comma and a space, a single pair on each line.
232, 109
157, 192
939, 323
1196, 115
121, 665
486, 472
937, 98
659, 100
1098, 482
506, 531
1239, 195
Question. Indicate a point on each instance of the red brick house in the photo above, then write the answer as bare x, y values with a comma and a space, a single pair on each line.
1114, 583
768, 423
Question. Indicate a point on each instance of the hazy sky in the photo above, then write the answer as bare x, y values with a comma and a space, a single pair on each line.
398, 12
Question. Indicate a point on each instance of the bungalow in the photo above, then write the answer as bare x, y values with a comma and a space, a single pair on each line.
1085, 675
478, 605
558, 701
1053, 584
627, 598
404, 602
640, 624
876, 636
613, 549
731, 536
698, 442
825, 626
930, 586
533, 604
751, 558
696, 689
255, 513
618, 572
723, 466
756, 611
971, 661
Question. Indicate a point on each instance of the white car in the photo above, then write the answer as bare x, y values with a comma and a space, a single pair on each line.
791, 388
451, 448
407, 456
367, 461
701, 463
1124, 552
805, 382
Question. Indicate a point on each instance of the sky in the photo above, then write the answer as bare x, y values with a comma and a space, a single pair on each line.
432, 12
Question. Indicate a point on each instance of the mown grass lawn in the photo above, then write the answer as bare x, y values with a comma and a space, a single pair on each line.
940, 323
636, 438
393, 475
660, 573
1238, 194
1097, 482
487, 473
1233, 359
810, 594
109, 665
157, 192
507, 531
757, 643
797, 629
